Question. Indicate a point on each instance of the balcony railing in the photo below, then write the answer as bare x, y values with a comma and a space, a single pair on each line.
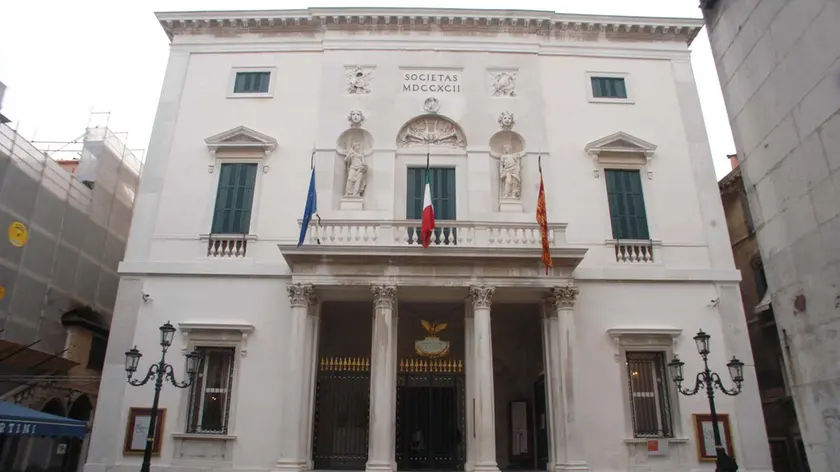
633, 251
447, 233
229, 246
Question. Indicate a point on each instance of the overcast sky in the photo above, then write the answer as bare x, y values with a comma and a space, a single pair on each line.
63, 59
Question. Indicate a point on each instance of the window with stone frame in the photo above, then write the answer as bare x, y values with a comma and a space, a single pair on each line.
650, 402
234, 198
626, 204
210, 394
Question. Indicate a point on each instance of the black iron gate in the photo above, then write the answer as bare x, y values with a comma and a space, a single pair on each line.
342, 403
431, 418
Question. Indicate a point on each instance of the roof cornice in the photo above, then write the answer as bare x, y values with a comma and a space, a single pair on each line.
544, 23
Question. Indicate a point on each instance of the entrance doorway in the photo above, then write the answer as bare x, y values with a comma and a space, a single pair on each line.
430, 415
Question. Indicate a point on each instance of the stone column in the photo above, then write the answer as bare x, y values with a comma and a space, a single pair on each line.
569, 452
312, 338
469, 362
383, 381
485, 411
553, 415
292, 420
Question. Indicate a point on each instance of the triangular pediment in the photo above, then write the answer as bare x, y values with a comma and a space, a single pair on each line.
620, 142
241, 137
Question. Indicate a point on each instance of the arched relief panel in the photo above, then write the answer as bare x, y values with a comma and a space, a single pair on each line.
431, 130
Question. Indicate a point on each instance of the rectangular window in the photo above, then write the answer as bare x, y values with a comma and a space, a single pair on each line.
627, 204
608, 87
442, 184
234, 198
209, 408
649, 395
251, 82
96, 356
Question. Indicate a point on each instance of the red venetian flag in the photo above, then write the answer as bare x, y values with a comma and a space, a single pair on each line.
542, 220
428, 225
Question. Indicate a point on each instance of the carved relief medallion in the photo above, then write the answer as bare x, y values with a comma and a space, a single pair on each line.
506, 120
431, 131
503, 84
431, 105
358, 81
356, 117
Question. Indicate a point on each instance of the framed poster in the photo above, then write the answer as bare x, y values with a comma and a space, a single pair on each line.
137, 430
706, 436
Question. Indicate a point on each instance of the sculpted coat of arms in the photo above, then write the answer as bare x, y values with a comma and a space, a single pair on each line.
358, 81
432, 346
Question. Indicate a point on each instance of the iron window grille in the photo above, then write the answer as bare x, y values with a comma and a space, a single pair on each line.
650, 402
210, 394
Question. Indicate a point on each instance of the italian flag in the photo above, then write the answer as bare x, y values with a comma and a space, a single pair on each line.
428, 225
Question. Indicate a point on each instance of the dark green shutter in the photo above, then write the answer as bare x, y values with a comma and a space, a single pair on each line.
234, 198
251, 82
608, 87
627, 204
442, 183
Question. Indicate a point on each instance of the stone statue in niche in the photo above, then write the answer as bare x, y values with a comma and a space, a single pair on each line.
354, 158
506, 120
356, 117
503, 84
358, 81
510, 171
430, 131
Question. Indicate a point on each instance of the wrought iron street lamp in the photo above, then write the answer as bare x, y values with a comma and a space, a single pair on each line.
709, 380
159, 372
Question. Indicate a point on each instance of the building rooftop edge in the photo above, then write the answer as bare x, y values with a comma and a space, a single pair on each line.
170, 21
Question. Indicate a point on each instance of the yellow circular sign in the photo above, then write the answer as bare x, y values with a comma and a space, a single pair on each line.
18, 234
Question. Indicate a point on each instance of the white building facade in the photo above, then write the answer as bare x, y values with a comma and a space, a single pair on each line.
361, 349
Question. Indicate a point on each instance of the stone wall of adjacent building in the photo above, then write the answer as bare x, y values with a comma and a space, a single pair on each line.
779, 66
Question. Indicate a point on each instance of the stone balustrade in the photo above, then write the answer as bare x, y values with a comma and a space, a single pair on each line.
447, 233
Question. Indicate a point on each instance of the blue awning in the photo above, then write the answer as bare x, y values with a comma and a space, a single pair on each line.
21, 421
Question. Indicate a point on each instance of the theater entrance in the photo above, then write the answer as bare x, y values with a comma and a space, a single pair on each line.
430, 415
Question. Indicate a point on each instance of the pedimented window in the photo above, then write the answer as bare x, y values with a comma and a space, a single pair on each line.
241, 142
621, 151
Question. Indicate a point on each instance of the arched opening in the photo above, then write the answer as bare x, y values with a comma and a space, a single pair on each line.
81, 409
54, 407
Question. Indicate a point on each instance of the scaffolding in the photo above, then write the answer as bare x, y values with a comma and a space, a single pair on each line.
78, 222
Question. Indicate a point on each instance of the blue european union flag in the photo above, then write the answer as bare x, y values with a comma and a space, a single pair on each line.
310, 208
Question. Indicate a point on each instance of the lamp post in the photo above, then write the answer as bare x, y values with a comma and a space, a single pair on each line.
709, 380
159, 371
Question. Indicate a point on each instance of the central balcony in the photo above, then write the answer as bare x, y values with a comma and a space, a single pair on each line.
459, 251
471, 234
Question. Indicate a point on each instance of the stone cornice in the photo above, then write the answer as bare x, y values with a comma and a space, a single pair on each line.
539, 23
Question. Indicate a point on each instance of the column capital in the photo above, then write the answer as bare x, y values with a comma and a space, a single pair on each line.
563, 297
481, 296
301, 295
384, 296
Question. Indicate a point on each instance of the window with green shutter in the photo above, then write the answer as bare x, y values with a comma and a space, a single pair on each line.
627, 204
608, 87
234, 198
442, 184
251, 82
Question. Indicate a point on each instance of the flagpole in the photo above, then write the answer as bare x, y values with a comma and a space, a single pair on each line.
317, 215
